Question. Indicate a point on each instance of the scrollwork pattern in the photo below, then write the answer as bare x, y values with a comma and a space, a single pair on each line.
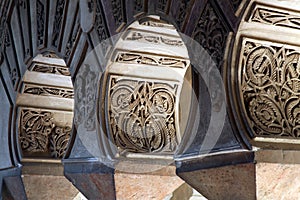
271, 89
141, 115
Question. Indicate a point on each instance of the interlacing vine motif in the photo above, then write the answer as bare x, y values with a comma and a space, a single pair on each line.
142, 115
39, 133
277, 18
270, 85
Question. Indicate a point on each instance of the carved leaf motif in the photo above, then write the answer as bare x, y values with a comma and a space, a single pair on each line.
142, 115
271, 89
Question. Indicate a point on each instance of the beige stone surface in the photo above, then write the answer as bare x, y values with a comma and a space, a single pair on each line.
145, 187
48, 187
278, 181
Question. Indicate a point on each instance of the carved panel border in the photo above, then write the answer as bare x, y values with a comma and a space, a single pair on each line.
269, 88
149, 59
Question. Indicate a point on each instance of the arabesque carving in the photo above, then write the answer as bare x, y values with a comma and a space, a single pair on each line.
270, 86
142, 114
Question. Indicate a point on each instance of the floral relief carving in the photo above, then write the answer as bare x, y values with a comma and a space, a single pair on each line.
142, 115
270, 86
276, 17
39, 133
